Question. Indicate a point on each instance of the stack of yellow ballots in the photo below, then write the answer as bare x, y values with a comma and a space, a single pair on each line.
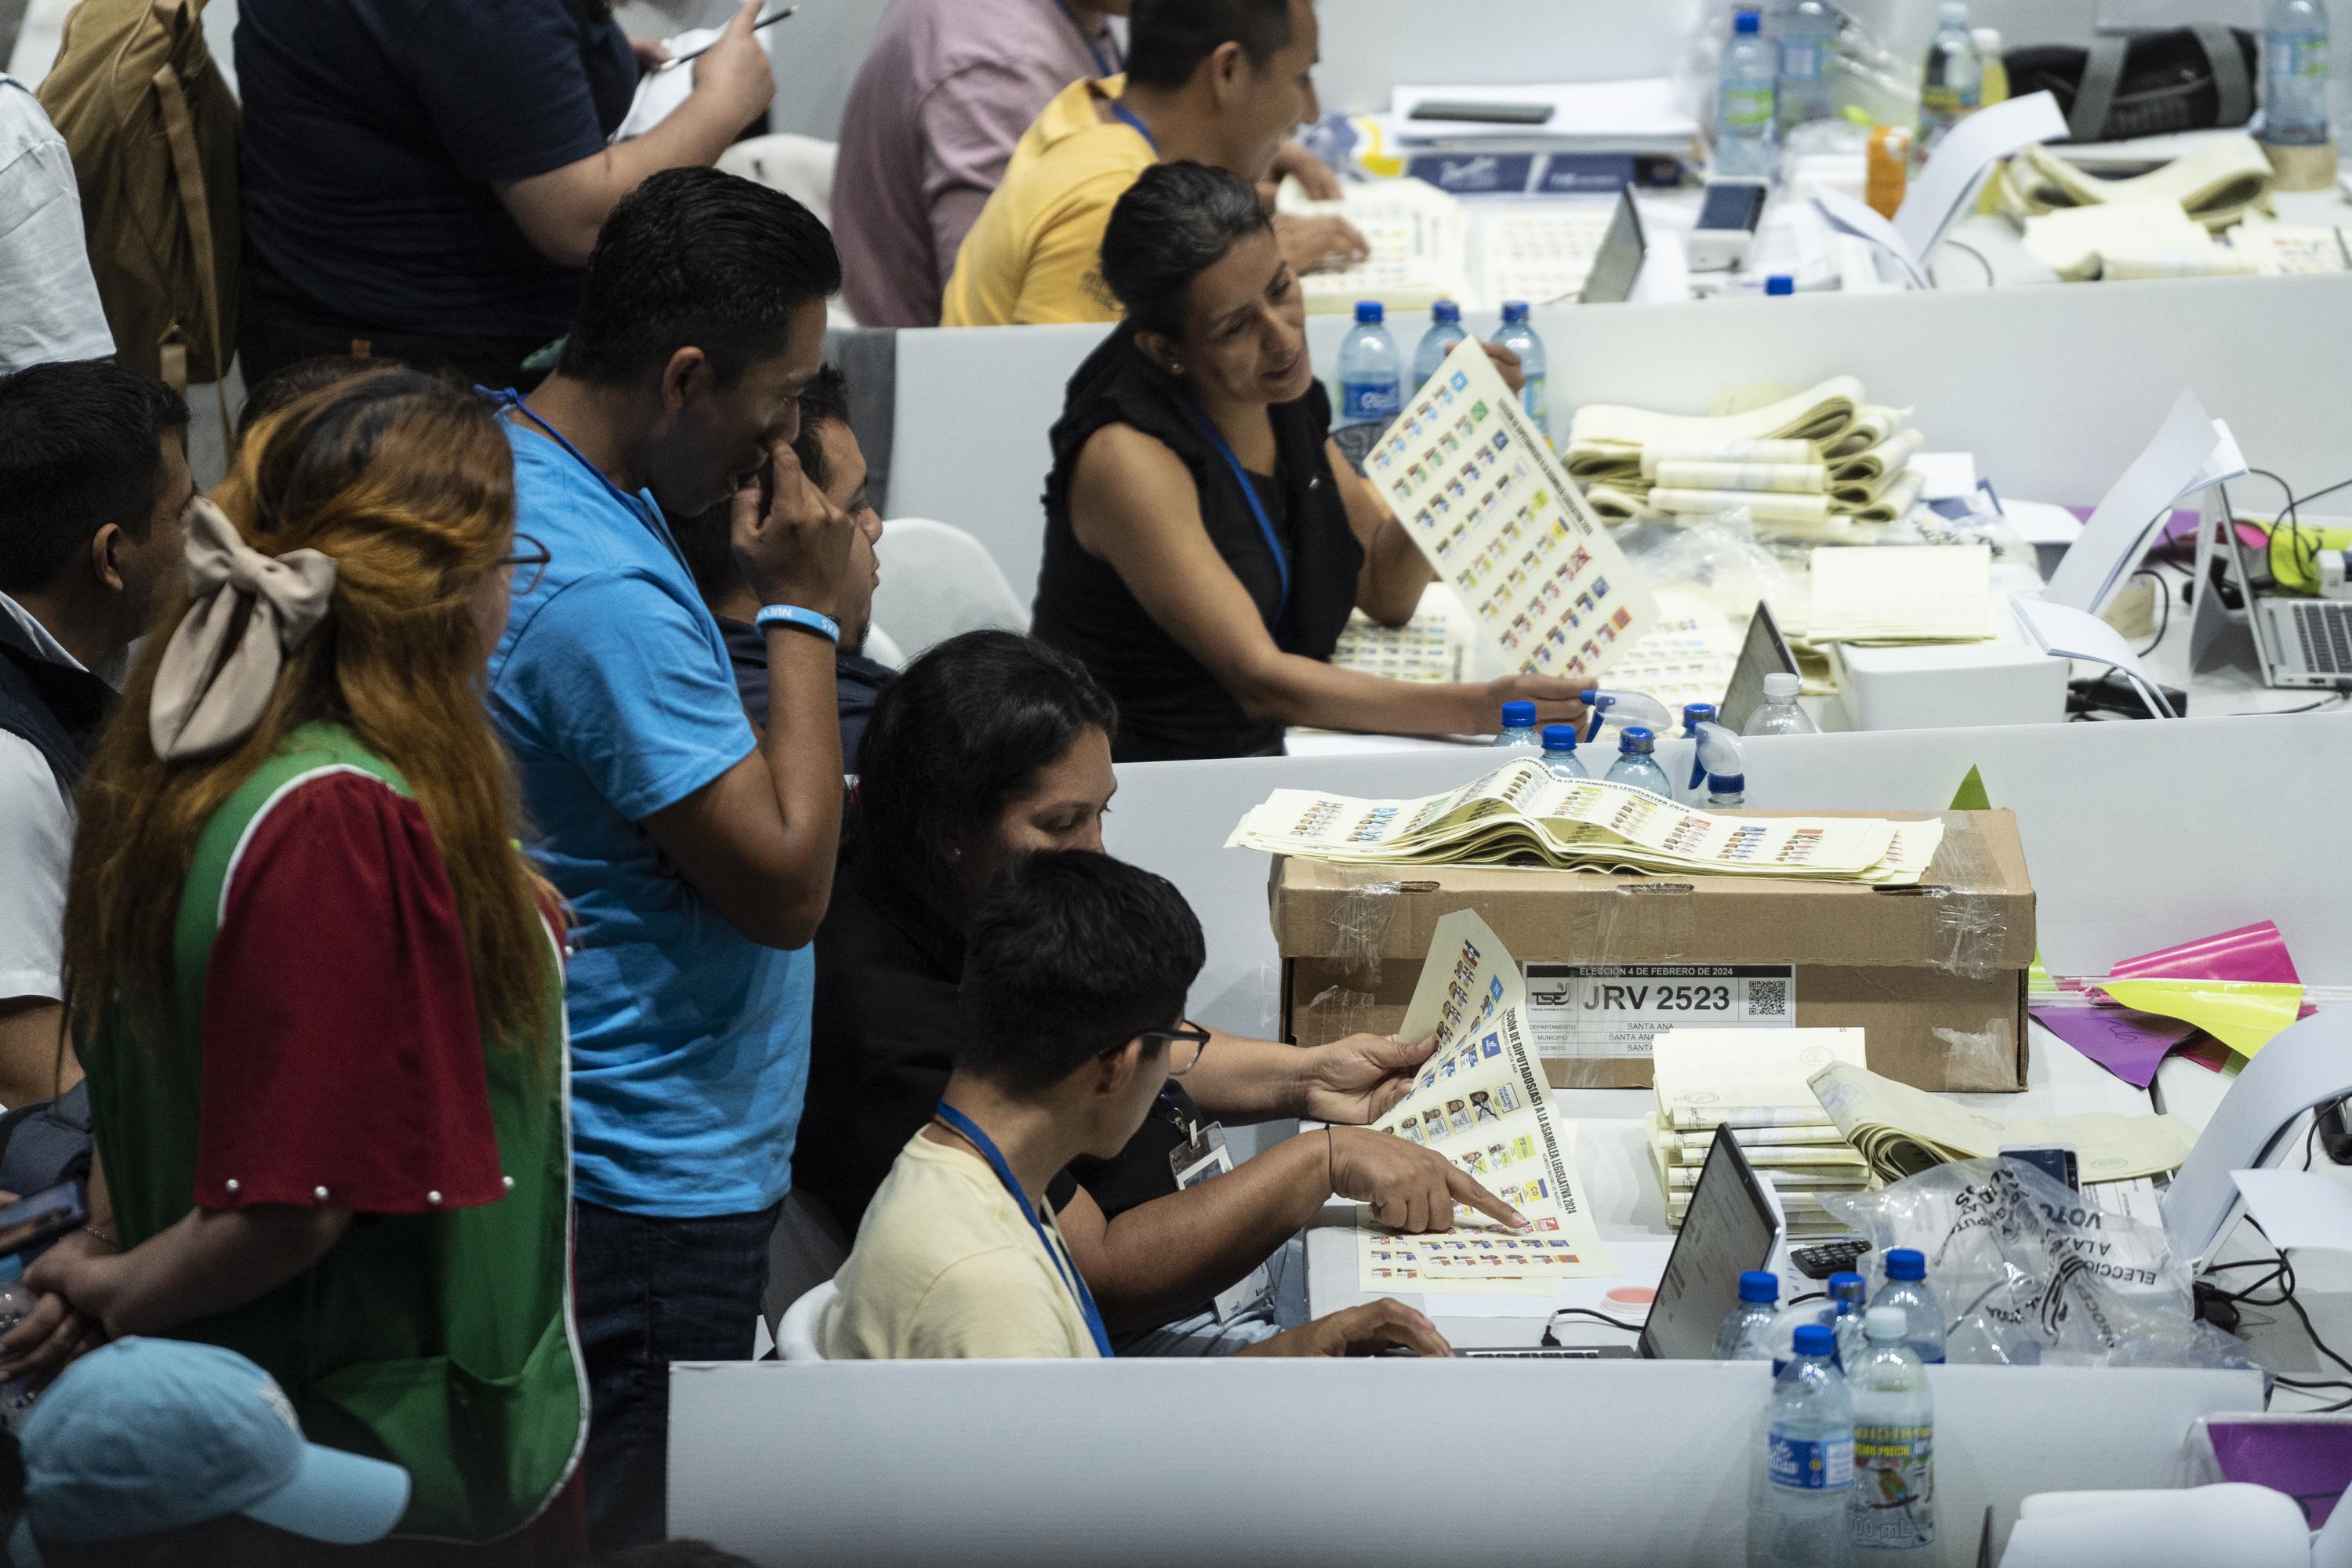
1520, 815
1753, 1083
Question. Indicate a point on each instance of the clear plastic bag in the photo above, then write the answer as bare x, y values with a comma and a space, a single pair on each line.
1722, 558
1881, 46
2032, 1274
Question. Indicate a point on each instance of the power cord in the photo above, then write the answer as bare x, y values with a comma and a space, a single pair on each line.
1550, 1339
1991, 279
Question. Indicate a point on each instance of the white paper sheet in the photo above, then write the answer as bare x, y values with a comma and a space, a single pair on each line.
2298, 1208
2064, 632
1947, 476
659, 92
1960, 161
2176, 463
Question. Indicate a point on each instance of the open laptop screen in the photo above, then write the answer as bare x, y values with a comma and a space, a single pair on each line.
1732, 1226
1765, 652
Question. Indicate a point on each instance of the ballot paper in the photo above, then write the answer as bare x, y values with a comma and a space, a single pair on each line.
1903, 1131
1907, 594
1518, 813
1711, 1077
1485, 500
1482, 1102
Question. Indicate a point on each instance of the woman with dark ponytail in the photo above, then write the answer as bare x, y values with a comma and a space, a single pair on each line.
1206, 543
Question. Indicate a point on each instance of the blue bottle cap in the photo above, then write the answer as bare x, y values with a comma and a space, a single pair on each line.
1816, 1339
1519, 714
1636, 739
1727, 784
1514, 311
1746, 23
1697, 713
1445, 310
1368, 310
1906, 1263
1846, 1285
1779, 284
1759, 1285
1559, 737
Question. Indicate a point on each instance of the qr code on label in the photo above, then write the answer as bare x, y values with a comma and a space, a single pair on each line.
1768, 998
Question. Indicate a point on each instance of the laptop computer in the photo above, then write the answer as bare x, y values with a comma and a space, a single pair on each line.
2288, 639
1733, 1226
1617, 266
1766, 652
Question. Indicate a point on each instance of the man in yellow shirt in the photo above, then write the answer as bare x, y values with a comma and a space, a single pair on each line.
1074, 976
1215, 81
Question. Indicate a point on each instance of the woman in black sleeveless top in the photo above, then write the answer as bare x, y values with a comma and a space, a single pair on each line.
1204, 541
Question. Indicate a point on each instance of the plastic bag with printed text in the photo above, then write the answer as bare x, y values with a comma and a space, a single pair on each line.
2032, 1274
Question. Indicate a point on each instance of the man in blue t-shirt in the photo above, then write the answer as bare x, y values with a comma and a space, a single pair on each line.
696, 857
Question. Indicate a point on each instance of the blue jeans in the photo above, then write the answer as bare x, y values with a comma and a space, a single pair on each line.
650, 1292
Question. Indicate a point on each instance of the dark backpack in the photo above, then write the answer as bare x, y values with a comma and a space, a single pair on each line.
2153, 84
46, 1143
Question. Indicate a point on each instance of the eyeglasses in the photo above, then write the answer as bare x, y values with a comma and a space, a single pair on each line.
531, 559
1174, 1039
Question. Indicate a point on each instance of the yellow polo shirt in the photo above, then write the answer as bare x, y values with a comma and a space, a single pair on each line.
945, 1267
1037, 252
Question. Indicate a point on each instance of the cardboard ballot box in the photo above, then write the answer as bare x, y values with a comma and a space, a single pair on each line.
1935, 973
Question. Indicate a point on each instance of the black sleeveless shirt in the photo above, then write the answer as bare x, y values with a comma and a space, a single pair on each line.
1170, 706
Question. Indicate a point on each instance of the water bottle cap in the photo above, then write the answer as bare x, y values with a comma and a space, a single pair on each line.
1519, 714
1727, 784
1636, 740
1845, 1283
1781, 687
1816, 1339
1746, 23
1697, 713
1445, 310
1885, 1323
1953, 13
1559, 737
1780, 284
1759, 1285
1368, 310
1514, 311
1906, 1263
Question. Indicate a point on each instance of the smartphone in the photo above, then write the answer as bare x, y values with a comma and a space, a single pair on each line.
37, 1221
2056, 1161
1484, 114
1736, 204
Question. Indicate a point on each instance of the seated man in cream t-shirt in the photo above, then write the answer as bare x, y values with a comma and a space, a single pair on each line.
1074, 978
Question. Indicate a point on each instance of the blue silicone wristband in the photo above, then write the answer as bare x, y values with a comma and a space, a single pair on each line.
800, 620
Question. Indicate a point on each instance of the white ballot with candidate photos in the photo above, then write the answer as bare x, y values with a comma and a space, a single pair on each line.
1480, 493
1481, 1100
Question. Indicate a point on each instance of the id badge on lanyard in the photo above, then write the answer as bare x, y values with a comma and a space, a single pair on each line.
1204, 1158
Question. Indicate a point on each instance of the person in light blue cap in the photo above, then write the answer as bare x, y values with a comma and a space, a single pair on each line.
152, 1452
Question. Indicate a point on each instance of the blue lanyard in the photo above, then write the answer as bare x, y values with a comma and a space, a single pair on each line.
1124, 112
1110, 67
511, 398
987, 1151
1249, 493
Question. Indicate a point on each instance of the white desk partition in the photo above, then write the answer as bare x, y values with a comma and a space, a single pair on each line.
2054, 389
2137, 835
1185, 1461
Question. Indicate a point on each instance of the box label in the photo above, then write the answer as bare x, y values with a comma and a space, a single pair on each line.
1598, 1010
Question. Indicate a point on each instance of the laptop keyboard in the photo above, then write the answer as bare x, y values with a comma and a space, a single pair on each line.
2325, 630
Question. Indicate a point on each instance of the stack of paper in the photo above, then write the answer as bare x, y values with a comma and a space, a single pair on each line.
1902, 593
1482, 1102
1520, 815
1419, 238
1821, 465
1903, 1131
1753, 1083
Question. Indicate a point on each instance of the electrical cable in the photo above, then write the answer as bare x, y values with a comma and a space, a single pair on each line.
1551, 1341
2164, 599
1991, 279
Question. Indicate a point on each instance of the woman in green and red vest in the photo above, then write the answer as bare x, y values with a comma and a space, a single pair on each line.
315, 985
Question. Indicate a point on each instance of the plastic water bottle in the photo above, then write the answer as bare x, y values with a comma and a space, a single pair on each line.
1694, 715
1519, 730
1801, 1521
1444, 331
1518, 336
1744, 94
1906, 1287
2295, 73
1561, 759
1746, 1334
1780, 715
1848, 1298
1954, 86
1894, 1517
1807, 32
1371, 377
1637, 764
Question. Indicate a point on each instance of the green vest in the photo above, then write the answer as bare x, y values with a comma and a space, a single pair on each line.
442, 1341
